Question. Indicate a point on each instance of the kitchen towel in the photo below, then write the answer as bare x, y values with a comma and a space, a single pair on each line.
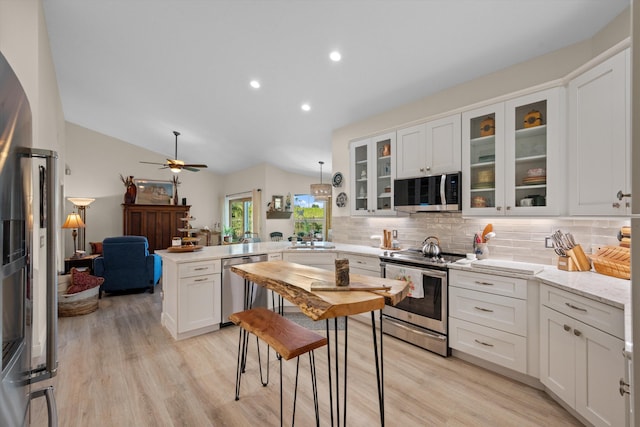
409, 275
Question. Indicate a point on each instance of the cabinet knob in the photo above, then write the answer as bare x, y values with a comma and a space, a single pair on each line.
421, 169
428, 168
508, 208
615, 205
498, 208
567, 328
577, 332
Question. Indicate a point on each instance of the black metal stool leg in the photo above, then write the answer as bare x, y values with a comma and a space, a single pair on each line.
239, 367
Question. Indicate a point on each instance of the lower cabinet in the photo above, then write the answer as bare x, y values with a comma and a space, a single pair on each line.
580, 364
490, 318
191, 302
362, 264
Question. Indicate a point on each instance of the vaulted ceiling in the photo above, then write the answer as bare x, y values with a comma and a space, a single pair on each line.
137, 70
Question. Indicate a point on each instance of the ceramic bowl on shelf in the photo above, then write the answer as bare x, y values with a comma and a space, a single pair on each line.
536, 172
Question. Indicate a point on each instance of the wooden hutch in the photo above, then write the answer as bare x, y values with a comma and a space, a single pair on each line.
158, 223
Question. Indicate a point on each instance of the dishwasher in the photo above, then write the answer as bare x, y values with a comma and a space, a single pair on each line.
233, 287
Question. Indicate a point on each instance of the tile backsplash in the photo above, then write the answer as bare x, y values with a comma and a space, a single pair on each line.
517, 239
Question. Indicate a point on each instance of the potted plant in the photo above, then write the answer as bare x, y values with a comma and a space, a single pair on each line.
227, 233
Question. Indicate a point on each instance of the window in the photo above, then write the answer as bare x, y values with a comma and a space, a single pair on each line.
309, 216
240, 216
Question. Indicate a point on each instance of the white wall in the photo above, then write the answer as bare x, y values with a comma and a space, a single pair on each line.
95, 162
272, 181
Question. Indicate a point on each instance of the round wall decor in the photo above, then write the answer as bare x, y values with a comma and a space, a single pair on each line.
341, 200
337, 179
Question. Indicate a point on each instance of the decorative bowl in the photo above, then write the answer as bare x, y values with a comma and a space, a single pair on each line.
536, 172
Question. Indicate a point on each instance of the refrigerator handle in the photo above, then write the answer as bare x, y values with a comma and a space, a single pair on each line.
52, 412
51, 360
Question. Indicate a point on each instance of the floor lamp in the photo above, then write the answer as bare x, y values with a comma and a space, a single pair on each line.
81, 203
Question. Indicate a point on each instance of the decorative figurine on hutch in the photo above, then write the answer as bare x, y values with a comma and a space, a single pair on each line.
131, 190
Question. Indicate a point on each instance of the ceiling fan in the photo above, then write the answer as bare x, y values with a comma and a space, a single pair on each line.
177, 165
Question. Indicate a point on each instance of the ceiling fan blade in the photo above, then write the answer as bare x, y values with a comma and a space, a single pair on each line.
191, 165
153, 163
190, 168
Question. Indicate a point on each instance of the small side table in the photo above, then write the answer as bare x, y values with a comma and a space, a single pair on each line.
85, 261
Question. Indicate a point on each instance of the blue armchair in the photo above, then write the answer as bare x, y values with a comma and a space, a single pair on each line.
126, 264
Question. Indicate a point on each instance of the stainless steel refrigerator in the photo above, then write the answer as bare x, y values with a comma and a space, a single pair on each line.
16, 271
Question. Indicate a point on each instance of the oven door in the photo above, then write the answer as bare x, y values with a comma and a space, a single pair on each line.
427, 304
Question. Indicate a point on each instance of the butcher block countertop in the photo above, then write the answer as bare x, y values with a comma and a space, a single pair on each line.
294, 282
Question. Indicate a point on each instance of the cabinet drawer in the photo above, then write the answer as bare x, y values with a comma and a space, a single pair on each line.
199, 268
363, 262
277, 256
495, 311
499, 285
313, 259
594, 313
498, 347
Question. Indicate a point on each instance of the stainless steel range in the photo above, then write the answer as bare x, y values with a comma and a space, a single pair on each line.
421, 318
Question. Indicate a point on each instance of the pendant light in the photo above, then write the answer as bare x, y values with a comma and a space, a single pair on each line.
321, 191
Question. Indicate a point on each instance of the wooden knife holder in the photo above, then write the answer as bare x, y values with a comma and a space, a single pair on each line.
576, 260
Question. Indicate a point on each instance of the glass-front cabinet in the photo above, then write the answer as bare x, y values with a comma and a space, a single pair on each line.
372, 174
511, 154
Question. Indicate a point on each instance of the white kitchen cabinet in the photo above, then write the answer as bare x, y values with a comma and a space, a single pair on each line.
517, 169
430, 148
191, 302
490, 317
372, 171
582, 365
362, 264
599, 148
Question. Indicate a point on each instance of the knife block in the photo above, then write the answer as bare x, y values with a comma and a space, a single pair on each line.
565, 263
579, 258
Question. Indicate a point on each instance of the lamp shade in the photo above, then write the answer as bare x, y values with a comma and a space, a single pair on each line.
73, 221
81, 201
320, 191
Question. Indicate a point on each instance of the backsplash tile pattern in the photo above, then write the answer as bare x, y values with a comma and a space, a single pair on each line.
517, 239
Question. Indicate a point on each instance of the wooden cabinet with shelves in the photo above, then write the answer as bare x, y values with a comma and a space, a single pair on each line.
428, 149
515, 170
372, 173
583, 363
158, 223
599, 139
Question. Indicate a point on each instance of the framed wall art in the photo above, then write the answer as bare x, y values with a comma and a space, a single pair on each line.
153, 192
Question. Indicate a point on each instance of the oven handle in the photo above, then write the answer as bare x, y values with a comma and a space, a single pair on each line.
415, 331
425, 271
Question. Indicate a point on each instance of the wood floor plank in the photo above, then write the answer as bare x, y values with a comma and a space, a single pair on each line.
119, 367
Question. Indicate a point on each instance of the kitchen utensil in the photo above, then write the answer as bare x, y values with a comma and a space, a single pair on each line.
487, 229
430, 248
489, 236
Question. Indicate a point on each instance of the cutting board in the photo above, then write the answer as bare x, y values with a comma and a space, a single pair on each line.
354, 286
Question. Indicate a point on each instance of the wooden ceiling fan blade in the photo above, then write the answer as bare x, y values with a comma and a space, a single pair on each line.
153, 163
191, 165
190, 168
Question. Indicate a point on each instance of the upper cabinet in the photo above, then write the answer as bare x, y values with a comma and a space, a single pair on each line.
599, 148
430, 148
511, 156
372, 172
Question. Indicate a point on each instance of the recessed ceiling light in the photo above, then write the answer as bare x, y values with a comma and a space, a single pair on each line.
335, 56
306, 107
255, 84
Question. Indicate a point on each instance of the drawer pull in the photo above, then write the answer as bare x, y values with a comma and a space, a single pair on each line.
201, 268
577, 332
484, 283
486, 344
567, 328
624, 387
484, 309
575, 308
204, 279
359, 262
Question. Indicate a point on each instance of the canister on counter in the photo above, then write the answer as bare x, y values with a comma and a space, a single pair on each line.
176, 241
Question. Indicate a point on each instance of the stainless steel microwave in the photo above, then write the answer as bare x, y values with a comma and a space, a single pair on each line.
428, 193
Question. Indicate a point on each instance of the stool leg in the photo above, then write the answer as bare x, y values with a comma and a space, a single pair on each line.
295, 392
314, 385
239, 366
264, 382
281, 392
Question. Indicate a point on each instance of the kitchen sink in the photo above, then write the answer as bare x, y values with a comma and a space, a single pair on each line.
316, 245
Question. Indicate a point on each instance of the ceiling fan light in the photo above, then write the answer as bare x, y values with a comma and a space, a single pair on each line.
175, 170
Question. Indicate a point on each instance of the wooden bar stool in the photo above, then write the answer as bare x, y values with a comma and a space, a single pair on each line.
287, 338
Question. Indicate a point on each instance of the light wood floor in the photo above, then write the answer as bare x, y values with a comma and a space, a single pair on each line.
119, 367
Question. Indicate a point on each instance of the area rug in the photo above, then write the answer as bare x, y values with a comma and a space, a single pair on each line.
320, 325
